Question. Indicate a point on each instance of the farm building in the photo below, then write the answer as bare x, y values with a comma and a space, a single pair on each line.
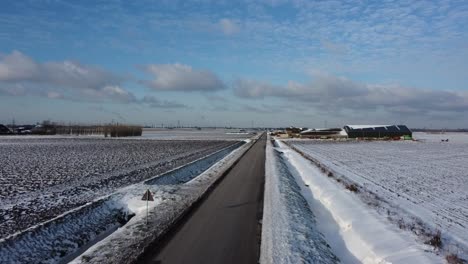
294, 131
5, 130
323, 133
377, 131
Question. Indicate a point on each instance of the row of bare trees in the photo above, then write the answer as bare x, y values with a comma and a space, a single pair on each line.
110, 130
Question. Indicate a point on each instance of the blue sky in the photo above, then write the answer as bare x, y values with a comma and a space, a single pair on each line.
276, 63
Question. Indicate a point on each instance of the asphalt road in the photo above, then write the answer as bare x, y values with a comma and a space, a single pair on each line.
224, 227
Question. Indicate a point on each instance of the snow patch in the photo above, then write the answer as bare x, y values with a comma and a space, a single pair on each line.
368, 236
420, 187
289, 232
66, 236
129, 242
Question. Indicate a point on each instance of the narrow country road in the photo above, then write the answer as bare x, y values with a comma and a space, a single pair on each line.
224, 228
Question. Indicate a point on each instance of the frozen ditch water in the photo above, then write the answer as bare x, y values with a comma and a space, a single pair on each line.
65, 237
51, 241
190, 171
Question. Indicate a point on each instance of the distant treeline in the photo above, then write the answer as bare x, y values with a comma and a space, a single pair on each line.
122, 131
52, 128
112, 130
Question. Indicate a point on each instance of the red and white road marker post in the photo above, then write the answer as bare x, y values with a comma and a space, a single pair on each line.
148, 196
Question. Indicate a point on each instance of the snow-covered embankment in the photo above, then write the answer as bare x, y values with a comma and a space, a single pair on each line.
129, 242
355, 233
67, 236
289, 232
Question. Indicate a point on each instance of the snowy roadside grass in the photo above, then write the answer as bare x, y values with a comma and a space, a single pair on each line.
349, 225
420, 187
129, 242
289, 232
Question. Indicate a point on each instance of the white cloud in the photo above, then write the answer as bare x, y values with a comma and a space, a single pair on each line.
17, 67
54, 95
228, 26
118, 94
254, 89
21, 75
331, 92
154, 102
180, 77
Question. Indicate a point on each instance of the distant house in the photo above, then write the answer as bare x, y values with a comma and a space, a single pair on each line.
46, 128
377, 131
294, 131
25, 129
324, 133
5, 130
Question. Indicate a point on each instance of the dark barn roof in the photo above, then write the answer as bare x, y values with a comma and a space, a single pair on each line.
4, 130
377, 131
321, 131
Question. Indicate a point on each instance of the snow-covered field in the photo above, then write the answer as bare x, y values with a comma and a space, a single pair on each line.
195, 134
69, 235
422, 186
355, 232
453, 137
41, 178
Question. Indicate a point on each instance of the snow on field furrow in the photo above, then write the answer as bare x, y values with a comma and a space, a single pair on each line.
369, 172
194, 134
79, 157
431, 177
355, 233
67, 236
454, 137
46, 177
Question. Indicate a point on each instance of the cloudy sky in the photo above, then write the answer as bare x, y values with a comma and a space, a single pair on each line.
238, 63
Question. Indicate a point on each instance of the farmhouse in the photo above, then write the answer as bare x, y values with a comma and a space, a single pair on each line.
377, 131
293, 131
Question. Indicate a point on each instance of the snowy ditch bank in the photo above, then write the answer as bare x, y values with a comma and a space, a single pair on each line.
174, 195
65, 237
289, 232
419, 187
42, 179
355, 232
